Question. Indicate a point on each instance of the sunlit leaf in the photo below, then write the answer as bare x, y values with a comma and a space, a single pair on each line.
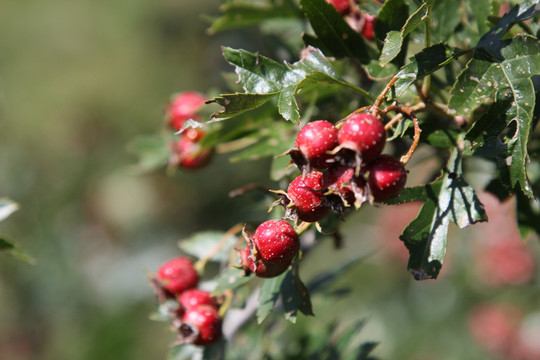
449, 198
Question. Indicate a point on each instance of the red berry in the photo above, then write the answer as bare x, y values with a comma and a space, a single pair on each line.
342, 6
260, 268
387, 177
201, 325
276, 242
363, 133
188, 152
368, 30
340, 180
315, 140
195, 297
184, 107
177, 275
306, 194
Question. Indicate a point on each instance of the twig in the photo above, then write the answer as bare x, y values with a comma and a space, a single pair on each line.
199, 265
416, 138
382, 95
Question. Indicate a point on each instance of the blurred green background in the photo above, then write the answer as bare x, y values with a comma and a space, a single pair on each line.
78, 81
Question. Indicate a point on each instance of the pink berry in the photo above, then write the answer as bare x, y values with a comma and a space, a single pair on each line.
342, 6
363, 133
195, 297
306, 194
368, 30
177, 275
387, 177
184, 107
188, 152
276, 241
315, 140
201, 325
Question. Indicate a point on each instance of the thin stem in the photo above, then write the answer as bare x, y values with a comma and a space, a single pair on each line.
427, 80
380, 98
416, 138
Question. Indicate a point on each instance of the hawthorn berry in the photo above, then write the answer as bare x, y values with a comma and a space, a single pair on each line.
201, 325
276, 242
363, 133
177, 275
306, 194
260, 268
342, 6
387, 177
368, 30
315, 140
184, 107
195, 297
188, 153
340, 180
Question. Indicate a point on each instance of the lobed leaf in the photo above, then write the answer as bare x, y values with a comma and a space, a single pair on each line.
269, 295
449, 198
295, 295
202, 242
508, 83
264, 79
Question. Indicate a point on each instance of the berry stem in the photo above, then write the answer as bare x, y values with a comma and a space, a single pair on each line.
416, 138
380, 98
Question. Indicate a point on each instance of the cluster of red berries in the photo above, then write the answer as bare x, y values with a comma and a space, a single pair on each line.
355, 171
195, 316
186, 151
362, 22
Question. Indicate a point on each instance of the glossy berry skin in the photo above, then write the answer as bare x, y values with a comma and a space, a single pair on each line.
177, 275
184, 107
368, 30
201, 325
194, 297
276, 242
342, 6
387, 177
260, 268
363, 133
188, 152
306, 194
315, 140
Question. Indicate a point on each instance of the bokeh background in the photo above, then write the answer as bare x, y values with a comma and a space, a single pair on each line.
79, 80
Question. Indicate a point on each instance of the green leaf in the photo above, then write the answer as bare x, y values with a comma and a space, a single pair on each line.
295, 295
491, 41
185, 352
152, 152
445, 18
528, 213
12, 249
7, 207
268, 296
272, 140
236, 104
238, 14
392, 16
422, 64
449, 198
200, 244
505, 82
264, 79
231, 279
394, 39
334, 32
